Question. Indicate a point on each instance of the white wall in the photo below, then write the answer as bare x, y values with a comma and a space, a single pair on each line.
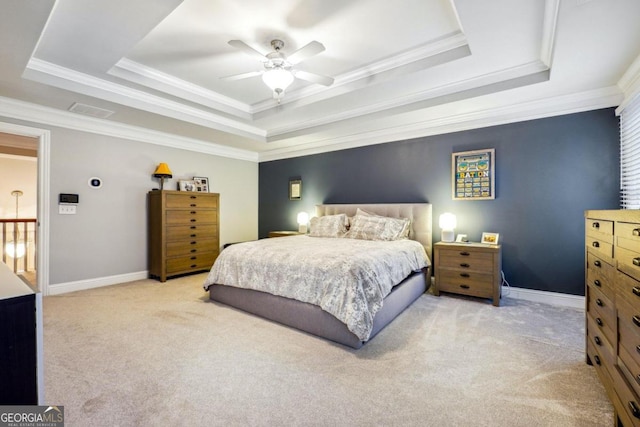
108, 235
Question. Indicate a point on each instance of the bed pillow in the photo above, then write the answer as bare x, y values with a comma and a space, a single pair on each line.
328, 226
368, 226
404, 222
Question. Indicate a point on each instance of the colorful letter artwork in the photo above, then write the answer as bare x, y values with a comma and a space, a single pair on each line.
473, 175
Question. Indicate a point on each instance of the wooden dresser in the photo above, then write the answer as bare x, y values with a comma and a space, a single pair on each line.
183, 232
612, 291
473, 269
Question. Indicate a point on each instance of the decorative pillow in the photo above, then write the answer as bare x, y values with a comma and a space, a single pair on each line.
328, 226
367, 226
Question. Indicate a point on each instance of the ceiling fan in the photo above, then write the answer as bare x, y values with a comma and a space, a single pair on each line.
278, 71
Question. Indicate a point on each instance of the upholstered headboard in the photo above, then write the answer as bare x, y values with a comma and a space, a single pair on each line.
418, 213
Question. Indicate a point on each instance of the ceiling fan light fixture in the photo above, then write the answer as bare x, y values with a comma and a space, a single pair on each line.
278, 79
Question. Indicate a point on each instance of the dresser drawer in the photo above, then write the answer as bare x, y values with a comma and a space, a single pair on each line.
466, 259
628, 262
602, 368
188, 201
628, 290
192, 216
602, 341
599, 229
601, 274
184, 232
467, 283
628, 352
186, 247
599, 306
184, 264
629, 404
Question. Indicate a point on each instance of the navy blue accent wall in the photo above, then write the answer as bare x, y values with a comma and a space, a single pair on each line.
548, 172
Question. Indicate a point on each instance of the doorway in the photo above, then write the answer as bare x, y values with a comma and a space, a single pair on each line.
28, 144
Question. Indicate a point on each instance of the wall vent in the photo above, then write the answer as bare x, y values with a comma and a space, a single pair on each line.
89, 110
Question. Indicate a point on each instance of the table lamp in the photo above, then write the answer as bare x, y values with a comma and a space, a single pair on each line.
162, 172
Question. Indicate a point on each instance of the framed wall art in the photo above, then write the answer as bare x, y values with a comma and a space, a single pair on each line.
295, 189
201, 184
473, 174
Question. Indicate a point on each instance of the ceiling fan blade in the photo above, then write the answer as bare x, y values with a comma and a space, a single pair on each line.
305, 52
241, 76
239, 44
314, 78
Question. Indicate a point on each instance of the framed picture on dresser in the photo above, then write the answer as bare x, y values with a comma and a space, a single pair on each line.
201, 184
186, 185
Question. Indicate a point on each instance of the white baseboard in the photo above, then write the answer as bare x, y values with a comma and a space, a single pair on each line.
81, 285
553, 298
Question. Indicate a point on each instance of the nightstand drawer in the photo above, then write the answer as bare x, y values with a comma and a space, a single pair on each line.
600, 275
466, 259
474, 284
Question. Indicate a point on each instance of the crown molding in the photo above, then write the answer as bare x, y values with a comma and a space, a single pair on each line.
493, 78
21, 110
150, 77
549, 26
630, 84
517, 112
55, 75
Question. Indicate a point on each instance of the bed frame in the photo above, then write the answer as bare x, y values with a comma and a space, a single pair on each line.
313, 319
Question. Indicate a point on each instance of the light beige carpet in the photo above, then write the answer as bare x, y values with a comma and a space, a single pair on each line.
149, 354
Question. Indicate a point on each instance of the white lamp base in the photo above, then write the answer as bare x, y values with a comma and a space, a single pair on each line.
448, 236
302, 228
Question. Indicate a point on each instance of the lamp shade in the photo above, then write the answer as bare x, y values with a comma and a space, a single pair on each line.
448, 223
163, 171
278, 79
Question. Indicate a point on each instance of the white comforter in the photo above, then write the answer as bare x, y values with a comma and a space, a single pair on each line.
345, 277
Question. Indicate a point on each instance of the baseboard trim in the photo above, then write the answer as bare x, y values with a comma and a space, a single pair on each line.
552, 298
81, 285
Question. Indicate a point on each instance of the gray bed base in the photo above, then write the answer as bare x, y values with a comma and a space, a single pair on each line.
312, 319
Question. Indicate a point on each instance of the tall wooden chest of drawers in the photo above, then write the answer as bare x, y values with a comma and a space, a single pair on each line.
183, 232
612, 291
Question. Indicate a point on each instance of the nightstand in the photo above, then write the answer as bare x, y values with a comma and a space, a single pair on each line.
473, 269
283, 233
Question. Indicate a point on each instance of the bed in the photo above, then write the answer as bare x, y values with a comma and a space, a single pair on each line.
264, 293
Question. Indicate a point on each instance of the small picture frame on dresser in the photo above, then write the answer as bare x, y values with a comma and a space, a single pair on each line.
201, 184
490, 238
186, 185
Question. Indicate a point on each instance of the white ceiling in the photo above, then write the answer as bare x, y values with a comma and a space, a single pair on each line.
402, 69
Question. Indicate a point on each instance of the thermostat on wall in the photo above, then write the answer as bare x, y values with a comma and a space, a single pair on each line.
68, 198
95, 182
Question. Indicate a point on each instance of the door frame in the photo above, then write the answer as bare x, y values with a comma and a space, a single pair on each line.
44, 164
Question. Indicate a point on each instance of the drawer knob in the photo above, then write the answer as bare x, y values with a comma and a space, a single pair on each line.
598, 340
599, 321
635, 411
193, 235
597, 359
465, 253
193, 243
464, 286
595, 225
194, 251
636, 262
636, 320
193, 220
193, 212
599, 303
464, 275
638, 348
596, 244
193, 197
597, 283
597, 264
636, 291
194, 257
193, 205
194, 265
636, 232
464, 265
